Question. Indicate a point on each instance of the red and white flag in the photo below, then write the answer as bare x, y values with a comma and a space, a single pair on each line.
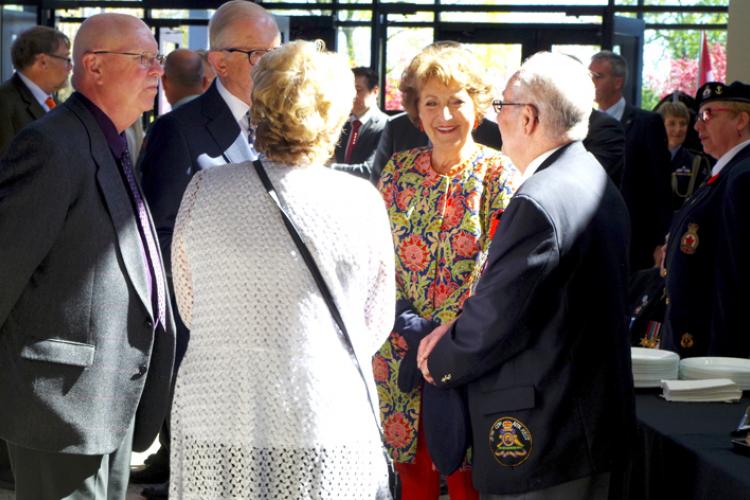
705, 72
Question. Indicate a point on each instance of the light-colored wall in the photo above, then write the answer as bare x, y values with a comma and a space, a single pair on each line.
738, 43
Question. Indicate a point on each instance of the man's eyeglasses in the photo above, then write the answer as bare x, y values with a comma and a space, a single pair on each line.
498, 104
705, 115
147, 59
67, 60
253, 55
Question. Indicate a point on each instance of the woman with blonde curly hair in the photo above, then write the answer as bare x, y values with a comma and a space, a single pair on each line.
268, 403
442, 200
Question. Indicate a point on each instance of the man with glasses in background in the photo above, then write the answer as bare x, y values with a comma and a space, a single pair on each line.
41, 57
86, 329
208, 131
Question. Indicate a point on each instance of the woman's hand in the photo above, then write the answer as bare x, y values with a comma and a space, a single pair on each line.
427, 345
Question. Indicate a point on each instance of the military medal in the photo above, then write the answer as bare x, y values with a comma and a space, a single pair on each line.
689, 241
510, 441
686, 341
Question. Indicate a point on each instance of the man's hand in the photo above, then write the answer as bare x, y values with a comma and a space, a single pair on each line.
427, 345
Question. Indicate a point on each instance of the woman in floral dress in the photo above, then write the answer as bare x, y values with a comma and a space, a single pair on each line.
443, 201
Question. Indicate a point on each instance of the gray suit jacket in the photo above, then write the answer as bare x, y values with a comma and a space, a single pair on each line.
79, 353
18, 108
363, 153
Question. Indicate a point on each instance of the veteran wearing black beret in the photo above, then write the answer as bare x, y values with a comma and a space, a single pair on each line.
707, 264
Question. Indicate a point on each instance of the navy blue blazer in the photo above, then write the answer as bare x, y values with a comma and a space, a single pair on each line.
198, 134
542, 345
646, 183
708, 270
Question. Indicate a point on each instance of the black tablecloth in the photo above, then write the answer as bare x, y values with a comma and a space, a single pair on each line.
684, 450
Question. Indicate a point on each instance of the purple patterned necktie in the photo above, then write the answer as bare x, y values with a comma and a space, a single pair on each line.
147, 235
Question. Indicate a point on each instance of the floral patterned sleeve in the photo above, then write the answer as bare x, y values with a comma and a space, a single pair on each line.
498, 185
386, 186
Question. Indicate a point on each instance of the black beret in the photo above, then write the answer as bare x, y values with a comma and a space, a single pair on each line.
717, 91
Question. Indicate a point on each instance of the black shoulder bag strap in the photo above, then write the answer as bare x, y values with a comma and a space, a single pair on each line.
325, 292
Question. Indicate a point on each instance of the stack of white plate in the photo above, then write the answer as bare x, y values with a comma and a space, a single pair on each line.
650, 366
735, 369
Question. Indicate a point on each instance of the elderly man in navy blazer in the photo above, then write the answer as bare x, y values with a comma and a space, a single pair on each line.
542, 346
86, 331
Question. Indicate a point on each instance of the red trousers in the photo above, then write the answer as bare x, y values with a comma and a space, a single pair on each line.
421, 481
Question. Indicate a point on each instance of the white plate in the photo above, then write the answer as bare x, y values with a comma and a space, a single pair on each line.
736, 369
717, 364
643, 355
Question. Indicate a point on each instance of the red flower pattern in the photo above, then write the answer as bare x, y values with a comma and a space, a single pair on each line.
465, 244
379, 368
413, 253
398, 432
441, 291
454, 211
404, 197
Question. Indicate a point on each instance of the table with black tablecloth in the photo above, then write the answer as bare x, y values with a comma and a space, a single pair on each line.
684, 451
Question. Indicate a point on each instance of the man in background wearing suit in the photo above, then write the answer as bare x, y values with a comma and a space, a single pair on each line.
355, 150
184, 77
209, 131
646, 180
86, 330
545, 362
41, 56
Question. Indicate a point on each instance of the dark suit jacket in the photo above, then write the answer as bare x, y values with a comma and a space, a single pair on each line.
79, 354
197, 135
18, 108
542, 342
646, 183
363, 153
400, 134
708, 270
606, 141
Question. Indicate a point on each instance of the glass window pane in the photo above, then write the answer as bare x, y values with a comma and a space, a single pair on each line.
403, 44
355, 44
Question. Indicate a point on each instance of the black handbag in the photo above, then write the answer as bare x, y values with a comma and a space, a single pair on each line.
393, 482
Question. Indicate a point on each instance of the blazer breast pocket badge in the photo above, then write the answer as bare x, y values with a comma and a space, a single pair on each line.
510, 441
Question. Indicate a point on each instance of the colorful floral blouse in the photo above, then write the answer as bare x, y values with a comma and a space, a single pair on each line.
441, 226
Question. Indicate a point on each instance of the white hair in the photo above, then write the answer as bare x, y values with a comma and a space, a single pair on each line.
562, 91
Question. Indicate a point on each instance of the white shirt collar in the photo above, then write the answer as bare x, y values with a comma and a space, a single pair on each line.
364, 118
617, 109
727, 157
537, 162
40, 95
237, 106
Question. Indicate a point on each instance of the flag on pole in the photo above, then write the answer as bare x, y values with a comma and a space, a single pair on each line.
705, 72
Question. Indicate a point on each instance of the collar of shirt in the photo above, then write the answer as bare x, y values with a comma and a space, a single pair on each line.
185, 100
116, 142
617, 109
237, 106
536, 163
362, 119
727, 157
40, 95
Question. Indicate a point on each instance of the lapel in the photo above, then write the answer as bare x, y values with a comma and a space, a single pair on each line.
628, 115
117, 200
554, 157
32, 105
224, 129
